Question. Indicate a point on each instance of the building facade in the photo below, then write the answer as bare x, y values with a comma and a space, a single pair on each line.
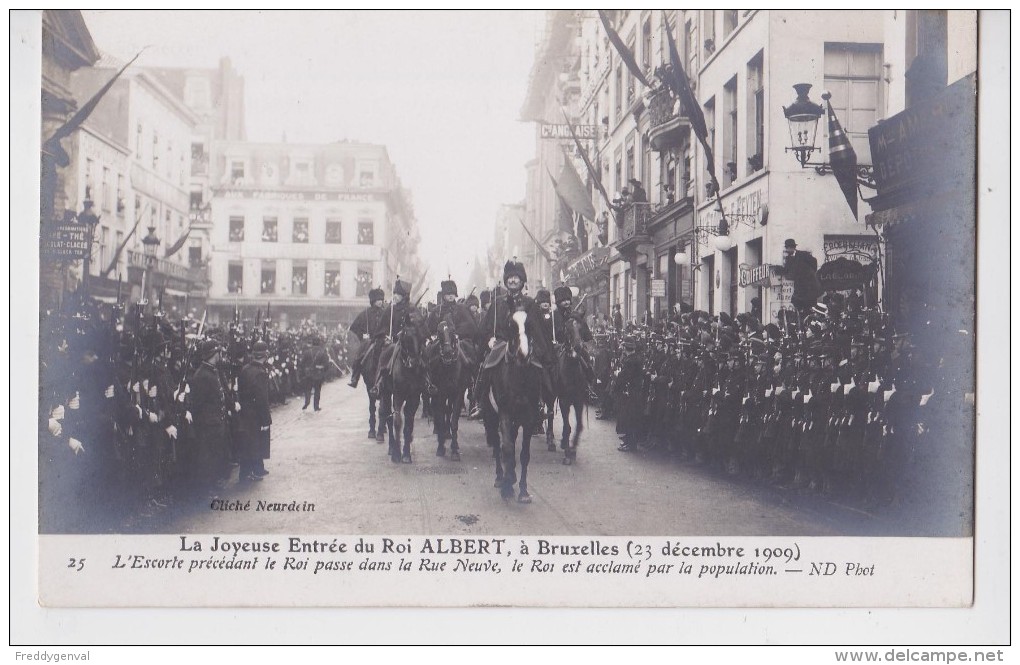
306, 230
742, 65
148, 196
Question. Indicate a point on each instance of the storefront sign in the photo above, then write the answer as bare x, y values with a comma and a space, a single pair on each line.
587, 263
66, 241
548, 130
863, 249
753, 275
278, 195
750, 204
843, 273
928, 143
658, 289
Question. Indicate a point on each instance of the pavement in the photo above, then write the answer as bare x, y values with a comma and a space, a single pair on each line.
326, 476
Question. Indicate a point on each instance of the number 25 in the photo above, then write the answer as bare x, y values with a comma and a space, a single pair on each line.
77, 564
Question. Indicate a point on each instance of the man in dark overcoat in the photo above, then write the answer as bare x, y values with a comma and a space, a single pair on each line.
208, 407
255, 418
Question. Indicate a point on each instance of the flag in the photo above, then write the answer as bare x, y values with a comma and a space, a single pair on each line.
573, 191
545, 252
176, 247
681, 85
52, 144
564, 218
621, 48
842, 157
587, 162
120, 248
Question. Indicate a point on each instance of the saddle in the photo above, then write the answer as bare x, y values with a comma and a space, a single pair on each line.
498, 353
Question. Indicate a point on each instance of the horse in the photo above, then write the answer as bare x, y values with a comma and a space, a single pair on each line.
571, 388
368, 369
400, 392
451, 373
512, 408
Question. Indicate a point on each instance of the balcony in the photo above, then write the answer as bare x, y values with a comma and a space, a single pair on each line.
634, 229
667, 129
162, 266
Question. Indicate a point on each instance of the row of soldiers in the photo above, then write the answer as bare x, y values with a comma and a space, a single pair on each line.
138, 411
831, 398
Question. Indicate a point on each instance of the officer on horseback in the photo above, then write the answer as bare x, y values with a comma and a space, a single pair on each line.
562, 317
364, 326
458, 316
499, 326
393, 320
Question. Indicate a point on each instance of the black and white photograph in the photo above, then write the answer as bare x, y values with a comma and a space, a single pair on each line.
548, 308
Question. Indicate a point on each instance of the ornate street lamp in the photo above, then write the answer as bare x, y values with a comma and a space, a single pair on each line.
803, 116
150, 244
90, 220
681, 258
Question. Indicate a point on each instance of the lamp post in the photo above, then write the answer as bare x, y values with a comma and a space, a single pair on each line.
803, 116
150, 244
90, 220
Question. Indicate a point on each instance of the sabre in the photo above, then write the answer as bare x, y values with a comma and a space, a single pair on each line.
201, 326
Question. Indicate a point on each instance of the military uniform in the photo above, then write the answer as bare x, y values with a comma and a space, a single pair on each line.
364, 327
314, 363
255, 418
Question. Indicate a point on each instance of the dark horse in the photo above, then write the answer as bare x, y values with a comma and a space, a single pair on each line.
400, 391
368, 369
512, 408
571, 388
451, 373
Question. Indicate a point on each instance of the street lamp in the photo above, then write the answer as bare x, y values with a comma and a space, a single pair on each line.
90, 220
802, 116
681, 258
149, 244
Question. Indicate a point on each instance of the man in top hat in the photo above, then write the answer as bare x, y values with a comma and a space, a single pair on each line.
314, 362
802, 268
254, 417
364, 326
498, 325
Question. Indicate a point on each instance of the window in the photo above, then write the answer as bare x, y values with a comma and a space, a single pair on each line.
120, 194
331, 287
710, 123
729, 21
268, 277
104, 248
235, 278
755, 115
299, 280
631, 170
107, 191
195, 253
236, 172
708, 27
366, 176
689, 50
269, 229
199, 159
730, 132
236, 229
138, 142
630, 77
90, 169
646, 44
852, 75
366, 233
120, 241
333, 231
155, 151
619, 92
364, 278
302, 173
300, 234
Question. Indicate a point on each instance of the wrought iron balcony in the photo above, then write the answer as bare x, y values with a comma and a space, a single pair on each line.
668, 126
634, 230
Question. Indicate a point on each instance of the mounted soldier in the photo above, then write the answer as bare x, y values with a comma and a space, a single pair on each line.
363, 328
455, 313
561, 319
393, 320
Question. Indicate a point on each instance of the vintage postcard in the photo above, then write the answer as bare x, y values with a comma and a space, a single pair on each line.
560, 308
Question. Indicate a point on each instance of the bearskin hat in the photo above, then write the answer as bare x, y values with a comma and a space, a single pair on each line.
471, 301
402, 288
375, 295
448, 287
542, 296
563, 293
514, 268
